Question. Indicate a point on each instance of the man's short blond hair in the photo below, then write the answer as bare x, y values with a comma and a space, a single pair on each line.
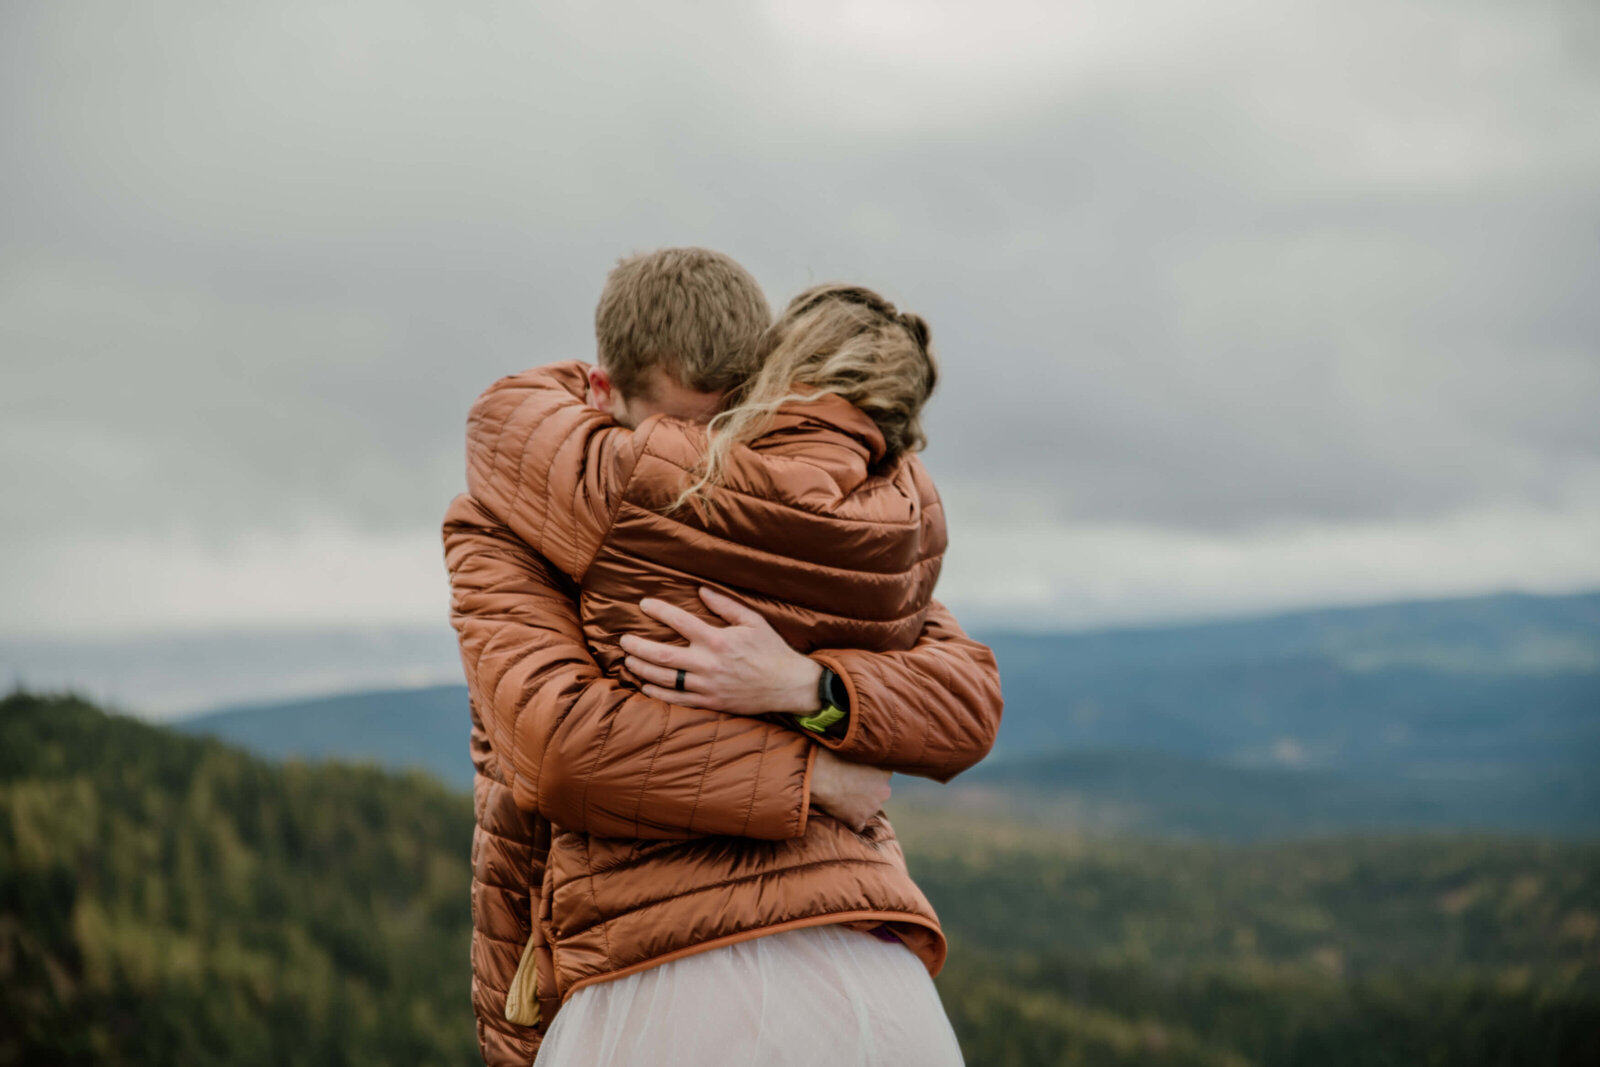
693, 312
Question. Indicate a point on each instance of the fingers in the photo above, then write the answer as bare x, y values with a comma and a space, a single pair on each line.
687, 699
695, 629
664, 676
736, 612
662, 684
670, 696
661, 655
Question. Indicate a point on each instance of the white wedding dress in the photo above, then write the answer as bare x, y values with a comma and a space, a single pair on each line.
825, 995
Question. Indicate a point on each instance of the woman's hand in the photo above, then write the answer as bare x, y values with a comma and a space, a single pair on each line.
851, 792
744, 668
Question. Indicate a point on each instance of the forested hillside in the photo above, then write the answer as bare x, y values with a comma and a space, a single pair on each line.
169, 900
165, 899
1379, 951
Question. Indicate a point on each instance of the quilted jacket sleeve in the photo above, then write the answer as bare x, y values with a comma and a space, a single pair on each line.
931, 711
546, 464
584, 751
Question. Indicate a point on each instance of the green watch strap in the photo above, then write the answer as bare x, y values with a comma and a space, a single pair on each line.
819, 721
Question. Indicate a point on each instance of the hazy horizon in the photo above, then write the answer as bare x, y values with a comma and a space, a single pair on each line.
178, 674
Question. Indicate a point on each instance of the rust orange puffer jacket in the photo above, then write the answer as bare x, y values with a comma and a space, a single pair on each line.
833, 555
634, 831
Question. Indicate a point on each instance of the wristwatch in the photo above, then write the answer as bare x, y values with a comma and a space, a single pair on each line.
835, 701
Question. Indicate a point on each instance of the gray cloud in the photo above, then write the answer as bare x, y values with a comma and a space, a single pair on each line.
1283, 263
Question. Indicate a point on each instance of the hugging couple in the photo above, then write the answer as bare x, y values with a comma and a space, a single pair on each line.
693, 588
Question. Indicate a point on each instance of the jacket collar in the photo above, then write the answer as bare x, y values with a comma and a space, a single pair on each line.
830, 417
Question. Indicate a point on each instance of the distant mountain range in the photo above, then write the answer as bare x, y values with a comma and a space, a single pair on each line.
1446, 687
394, 728
1477, 713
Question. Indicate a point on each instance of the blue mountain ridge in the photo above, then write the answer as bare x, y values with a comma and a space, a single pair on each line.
1481, 712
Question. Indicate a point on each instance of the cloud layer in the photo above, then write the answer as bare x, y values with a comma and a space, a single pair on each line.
1243, 305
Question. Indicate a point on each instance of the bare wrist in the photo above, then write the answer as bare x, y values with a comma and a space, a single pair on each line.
799, 693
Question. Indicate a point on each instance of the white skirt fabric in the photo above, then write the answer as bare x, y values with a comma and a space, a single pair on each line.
825, 995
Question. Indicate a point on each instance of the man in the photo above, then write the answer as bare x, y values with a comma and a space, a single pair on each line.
566, 752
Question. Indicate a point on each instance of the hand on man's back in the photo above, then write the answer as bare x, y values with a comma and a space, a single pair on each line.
851, 792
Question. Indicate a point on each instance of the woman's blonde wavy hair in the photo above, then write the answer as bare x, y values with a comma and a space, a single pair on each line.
844, 340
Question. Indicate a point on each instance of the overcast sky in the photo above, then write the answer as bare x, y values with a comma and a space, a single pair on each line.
1242, 305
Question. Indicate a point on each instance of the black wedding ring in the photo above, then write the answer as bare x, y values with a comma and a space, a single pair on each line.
678, 685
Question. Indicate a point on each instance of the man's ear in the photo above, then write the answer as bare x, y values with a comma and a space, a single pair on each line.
602, 394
